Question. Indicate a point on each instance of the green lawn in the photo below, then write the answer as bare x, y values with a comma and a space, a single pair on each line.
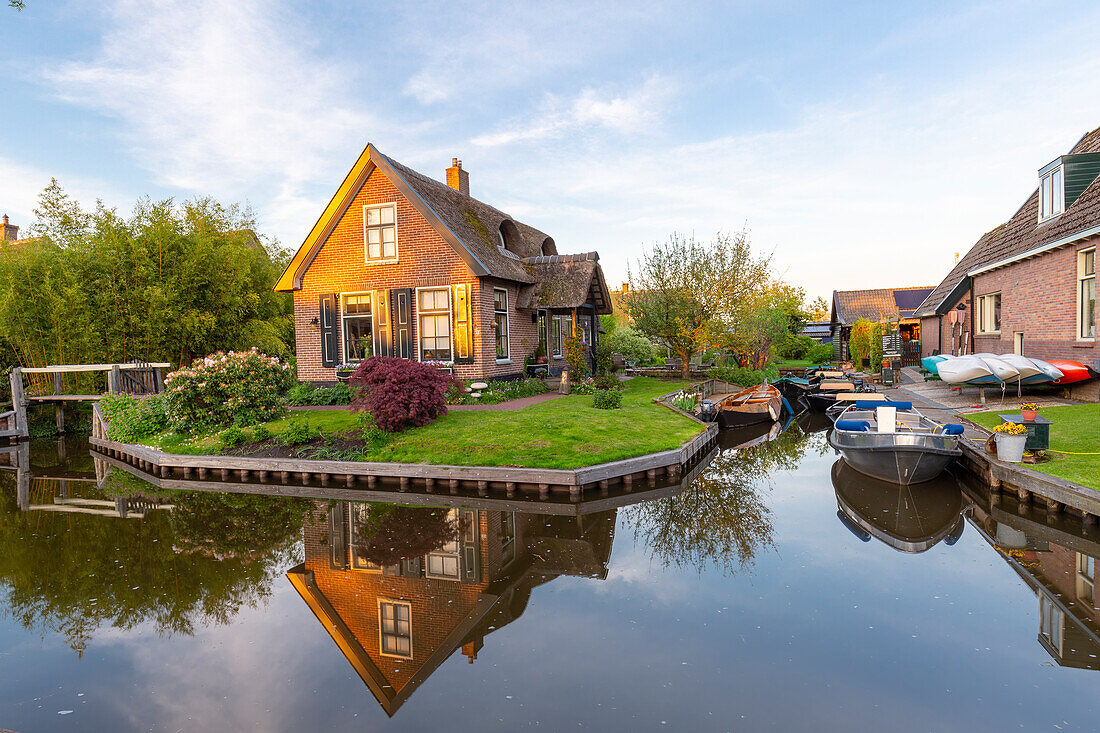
794, 364
1074, 429
563, 433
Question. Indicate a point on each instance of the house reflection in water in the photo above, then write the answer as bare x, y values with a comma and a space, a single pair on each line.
1058, 562
396, 624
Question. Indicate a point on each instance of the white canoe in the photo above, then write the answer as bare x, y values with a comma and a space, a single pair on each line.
1001, 369
1024, 366
1048, 369
963, 369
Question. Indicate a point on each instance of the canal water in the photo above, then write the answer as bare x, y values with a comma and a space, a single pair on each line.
779, 591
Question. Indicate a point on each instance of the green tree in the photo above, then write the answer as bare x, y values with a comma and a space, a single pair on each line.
169, 283
683, 290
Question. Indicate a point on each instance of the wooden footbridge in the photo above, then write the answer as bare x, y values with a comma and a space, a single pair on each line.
136, 378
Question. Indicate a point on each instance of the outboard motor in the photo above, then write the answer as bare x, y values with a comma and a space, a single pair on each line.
707, 411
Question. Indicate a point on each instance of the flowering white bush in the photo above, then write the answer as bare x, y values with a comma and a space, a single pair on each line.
238, 388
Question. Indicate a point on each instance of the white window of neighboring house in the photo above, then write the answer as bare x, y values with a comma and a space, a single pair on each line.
1051, 622
434, 318
989, 313
380, 233
358, 338
1086, 579
1086, 294
395, 627
1051, 195
500, 321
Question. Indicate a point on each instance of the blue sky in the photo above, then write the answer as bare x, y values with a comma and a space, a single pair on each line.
863, 143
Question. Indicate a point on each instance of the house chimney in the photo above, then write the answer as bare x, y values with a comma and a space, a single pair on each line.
9, 232
956, 258
626, 287
457, 178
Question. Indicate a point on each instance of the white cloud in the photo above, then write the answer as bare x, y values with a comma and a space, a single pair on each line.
223, 98
20, 185
634, 112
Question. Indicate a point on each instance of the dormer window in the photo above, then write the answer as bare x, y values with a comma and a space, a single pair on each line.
1051, 194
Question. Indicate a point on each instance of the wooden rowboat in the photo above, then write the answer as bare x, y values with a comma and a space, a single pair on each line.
761, 403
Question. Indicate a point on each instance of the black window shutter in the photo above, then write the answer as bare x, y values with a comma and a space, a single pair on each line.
401, 303
330, 330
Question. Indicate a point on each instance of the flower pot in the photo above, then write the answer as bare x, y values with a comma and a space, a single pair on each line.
1029, 415
342, 375
1010, 448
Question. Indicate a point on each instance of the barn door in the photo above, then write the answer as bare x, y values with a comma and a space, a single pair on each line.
330, 330
401, 301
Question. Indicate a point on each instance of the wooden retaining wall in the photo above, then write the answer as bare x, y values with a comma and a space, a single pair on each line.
404, 477
1056, 495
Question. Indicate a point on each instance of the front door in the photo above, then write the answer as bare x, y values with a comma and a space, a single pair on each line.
402, 301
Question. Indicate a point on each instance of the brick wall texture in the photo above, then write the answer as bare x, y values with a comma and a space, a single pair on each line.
437, 606
424, 259
1039, 299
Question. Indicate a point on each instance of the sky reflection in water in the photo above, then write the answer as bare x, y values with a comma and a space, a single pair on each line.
743, 603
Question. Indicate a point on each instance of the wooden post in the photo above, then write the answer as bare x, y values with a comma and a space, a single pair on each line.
19, 403
159, 386
114, 382
58, 408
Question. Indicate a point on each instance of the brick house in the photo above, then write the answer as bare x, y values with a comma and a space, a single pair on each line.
397, 624
1028, 285
402, 265
882, 305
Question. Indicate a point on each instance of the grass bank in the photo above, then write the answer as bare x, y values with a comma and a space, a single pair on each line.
567, 432
1075, 429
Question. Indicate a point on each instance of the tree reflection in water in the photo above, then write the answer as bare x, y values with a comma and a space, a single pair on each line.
721, 520
197, 564
389, 533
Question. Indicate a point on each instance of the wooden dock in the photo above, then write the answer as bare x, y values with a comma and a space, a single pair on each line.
137, 378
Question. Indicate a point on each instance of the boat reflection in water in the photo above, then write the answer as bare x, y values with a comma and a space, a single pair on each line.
909, 519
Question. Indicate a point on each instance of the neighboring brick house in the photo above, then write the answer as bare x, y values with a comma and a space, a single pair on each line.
396, 625
8, 232
1063, 578
1028, 285
402, 265
883, 305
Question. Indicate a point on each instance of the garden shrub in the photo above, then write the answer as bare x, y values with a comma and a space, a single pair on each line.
575, 355
605, 357
297, 431
304, 394
794, 346
134, 418
261, 433
819, 353
742, 376
499, 390
607, 399
241, 387
231, 436
606, 381
400, 393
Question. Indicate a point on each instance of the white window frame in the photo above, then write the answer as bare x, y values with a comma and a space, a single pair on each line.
507, 358
450, 319
343, 325
396, 236
980, 307
381, 635
1058, 194
1052, 622
1081, 278
1083, 566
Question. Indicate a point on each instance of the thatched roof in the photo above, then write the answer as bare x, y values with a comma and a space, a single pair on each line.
566, 281
473, 228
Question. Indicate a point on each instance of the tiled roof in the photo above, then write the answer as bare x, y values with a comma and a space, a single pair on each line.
850, 306
1023, 232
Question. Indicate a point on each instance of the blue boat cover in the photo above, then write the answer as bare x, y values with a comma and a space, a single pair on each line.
952, 428
869, 405
856, 426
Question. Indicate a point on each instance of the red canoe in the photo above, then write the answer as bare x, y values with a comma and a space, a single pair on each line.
1072, 371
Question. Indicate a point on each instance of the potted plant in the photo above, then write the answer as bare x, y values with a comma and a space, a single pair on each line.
1029, 411
344, 371
1011, 439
